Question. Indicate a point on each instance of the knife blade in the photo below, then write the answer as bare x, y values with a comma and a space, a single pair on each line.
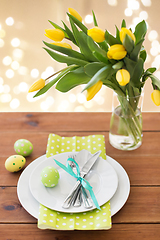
85, 169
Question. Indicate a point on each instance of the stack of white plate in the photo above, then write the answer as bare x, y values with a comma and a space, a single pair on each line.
107, 177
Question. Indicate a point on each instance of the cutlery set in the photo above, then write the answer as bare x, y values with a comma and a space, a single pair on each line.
75, 196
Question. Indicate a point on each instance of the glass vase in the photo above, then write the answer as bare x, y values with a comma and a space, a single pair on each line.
126, 122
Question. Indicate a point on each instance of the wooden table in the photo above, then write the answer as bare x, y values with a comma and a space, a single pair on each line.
138, 219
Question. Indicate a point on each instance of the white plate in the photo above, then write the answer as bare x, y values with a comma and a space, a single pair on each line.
102, 177
31, 205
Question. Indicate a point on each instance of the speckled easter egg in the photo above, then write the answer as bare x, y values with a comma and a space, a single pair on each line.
23, 147
49, 176
15, 163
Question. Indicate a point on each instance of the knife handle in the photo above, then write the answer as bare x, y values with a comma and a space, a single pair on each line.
72, 195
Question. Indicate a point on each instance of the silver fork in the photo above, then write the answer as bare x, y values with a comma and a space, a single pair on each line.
82, 194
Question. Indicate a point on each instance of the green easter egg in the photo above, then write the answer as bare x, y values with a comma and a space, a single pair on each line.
23, 147
15, 163
49, 176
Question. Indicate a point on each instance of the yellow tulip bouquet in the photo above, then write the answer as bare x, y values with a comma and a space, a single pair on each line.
101, 59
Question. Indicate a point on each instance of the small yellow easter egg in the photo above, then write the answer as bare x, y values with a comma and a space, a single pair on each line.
15, 163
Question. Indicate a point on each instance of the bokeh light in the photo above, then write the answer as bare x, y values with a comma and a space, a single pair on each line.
7, 60
15, 42
15, 65
152, 35
133, 4
23, 87
34, 73
9, 21
6, 97
146, 3
9, 73
1, 42
128, 12
88, 19
17, 54
2, 33
112, 2
22, 70
14, 103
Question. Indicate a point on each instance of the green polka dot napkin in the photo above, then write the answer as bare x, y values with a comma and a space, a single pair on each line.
90, 220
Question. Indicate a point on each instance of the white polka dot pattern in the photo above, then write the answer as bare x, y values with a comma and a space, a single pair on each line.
90, 220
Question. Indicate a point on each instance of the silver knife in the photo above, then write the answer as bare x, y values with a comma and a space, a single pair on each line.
85, 169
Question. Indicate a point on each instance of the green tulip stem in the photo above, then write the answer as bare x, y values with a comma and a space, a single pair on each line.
129, 117
57, 72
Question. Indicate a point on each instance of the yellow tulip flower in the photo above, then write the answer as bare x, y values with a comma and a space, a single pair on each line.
55, 34
155, 96
125, 31
75, 14
62, 44
117, 52
97, 34
92, 91
37, 85
123, 77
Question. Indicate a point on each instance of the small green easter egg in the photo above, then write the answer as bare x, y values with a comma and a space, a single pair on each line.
15, 163
49, 176
23, 147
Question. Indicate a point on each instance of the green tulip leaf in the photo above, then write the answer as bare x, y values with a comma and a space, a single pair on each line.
69, 33
94, 19
99, 53
100, 57
52, 82
81, 39
100, 75
151, 70
66, 51
118, 34
78, 23
140, 31
143, 54
130, 65
91, 68
104, 46
65, 59
58, 27
71, 80
137, 74
123, 25
118, 65
128, 43
134, 54
110, 39
155, 80
147, 73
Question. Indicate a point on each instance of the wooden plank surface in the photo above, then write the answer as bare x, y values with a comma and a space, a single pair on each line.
68, 121
141, 207
138, 219
119, 232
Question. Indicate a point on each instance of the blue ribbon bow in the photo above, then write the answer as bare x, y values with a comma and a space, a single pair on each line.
83, 181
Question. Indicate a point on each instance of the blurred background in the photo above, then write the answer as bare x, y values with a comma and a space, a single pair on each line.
23, 60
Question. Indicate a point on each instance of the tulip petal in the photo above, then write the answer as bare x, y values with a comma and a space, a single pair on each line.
155, 96
97, 34
37, 85
119, 55
74, 13
125, 31
55, 34
123, 77
92, 91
